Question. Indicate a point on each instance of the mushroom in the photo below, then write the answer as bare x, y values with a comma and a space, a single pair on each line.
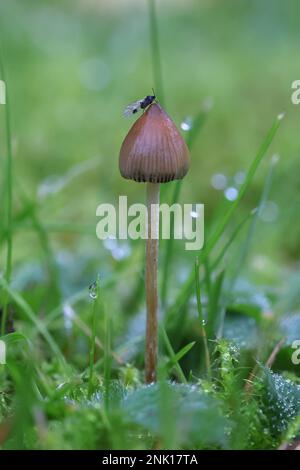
153, 152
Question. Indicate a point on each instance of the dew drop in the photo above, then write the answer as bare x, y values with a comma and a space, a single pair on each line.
186, 124
219, 181
93, 290
231, 193
239, 177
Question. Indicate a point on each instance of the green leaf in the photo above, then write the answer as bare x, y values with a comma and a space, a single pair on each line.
13, 338
281, 400
172, 354
197, 418
30, 315
178, 356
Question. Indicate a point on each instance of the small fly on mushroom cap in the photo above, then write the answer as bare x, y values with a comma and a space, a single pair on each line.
134, 107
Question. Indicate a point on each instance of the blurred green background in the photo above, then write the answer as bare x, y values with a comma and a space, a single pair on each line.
72, 66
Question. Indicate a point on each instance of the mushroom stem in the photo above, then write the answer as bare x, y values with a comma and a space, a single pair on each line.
151, 280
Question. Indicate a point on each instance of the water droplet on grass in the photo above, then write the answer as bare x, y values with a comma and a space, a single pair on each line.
93, 290
219, 181
239, 177
231, 193
186, 124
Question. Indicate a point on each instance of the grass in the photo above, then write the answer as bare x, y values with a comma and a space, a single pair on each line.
222, 223
201, 317
74, 372
8, 196
155, 50
194, 131
94, 292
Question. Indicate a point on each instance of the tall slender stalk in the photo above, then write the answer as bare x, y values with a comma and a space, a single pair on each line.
155, 51
94, 296
151, 280
107, 356
8, 198
201, 319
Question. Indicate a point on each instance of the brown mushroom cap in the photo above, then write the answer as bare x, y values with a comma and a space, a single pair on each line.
153, 150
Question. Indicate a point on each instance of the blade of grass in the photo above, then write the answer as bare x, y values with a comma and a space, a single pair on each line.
231, 239
8, 198
30, 315
216, 312
180, 354
201, 317
49, 255
155, 51
15, 337
107, 358
172, 355
246, 246
196, 127
213, 311
207, 275
93, 336
78, 321
82, 294
187, 293
208, 269
249, 177
249, 236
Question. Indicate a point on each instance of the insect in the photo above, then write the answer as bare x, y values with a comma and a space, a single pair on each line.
134, 107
